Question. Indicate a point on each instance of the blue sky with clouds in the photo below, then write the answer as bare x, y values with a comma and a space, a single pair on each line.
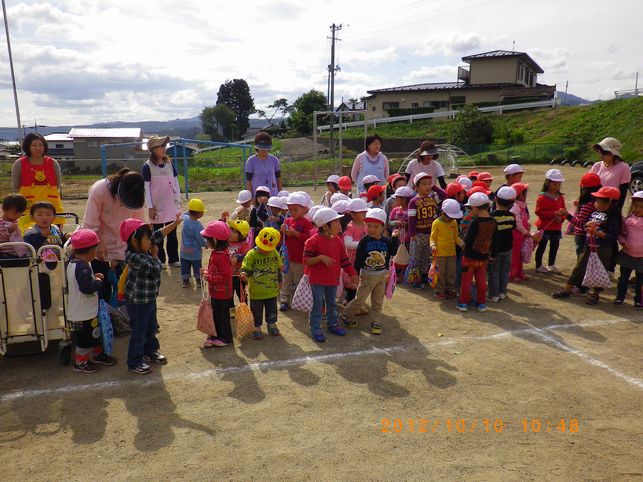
81, 61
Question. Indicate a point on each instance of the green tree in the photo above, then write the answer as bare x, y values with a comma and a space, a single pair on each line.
301, 117
236, 95
280, 106
471, 127
218, 122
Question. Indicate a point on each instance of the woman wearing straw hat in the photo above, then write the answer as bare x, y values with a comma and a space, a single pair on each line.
262, 168
612, 170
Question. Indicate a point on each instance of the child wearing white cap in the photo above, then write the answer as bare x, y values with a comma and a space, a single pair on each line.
443, 240
332, 183
501, 266
242, 212
354, 232
551, 212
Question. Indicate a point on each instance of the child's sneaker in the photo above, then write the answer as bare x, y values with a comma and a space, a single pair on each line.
273, 330
618, 302
542, 269
638, 305
105, 359
176, 264
209, 342
142, 369
494, 299
186, 283
553, 269
198, 282
284, 307
441, 295
218, 342
257, 335
156, 357
376, 329
481, 307
336, 330
463, 307
347, 322
318, 336
85, 367
452, 293
503, 295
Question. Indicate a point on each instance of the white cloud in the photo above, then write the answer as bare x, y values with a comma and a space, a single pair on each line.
453, 43
436, 73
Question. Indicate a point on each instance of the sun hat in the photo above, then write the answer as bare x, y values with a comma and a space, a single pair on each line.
554, 175
243, 227
374, 191
608, 193
338, 196
263, 141
452, 208
419, 176
403, 191
465, 181
478, 199
376, 215
197, 205
590, 179
83, 238
429, 151
370, 178
311, 212
268, 239
128, 227
485, 176
298, 199
156, 141
217, 230
244, 196
324, 216
334, 178
610, 144
637, 195
283, 193
357, 205
506, 193
262, 189
131, 190
345, 183
519, 187
454, 188
512, 169
340, 206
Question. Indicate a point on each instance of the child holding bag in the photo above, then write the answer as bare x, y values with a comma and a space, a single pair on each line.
520, 234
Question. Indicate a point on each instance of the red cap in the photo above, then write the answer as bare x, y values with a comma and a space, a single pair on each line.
345, 183
608, 193
485, 176
129, 226
83, 238
374, 191
473, 174
519, 187
590, 179
476, 189
393, 178
454, 188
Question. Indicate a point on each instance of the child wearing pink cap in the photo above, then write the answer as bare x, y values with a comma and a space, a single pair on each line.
82, 306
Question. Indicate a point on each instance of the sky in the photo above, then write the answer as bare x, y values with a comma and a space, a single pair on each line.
86, 61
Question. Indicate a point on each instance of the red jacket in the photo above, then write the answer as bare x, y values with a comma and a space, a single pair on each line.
546, 210
320, 274
295, 245
219, 275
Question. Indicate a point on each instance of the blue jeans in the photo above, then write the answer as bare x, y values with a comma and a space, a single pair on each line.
321, 293
499, 274
143, 341
186, 264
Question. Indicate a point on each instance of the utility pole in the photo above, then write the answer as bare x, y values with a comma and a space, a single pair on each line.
566, 85
13, 75
331, 75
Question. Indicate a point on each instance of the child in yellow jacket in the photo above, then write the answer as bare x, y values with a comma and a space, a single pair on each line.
443, 240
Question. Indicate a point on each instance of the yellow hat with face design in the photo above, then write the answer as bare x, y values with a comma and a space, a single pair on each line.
268, 239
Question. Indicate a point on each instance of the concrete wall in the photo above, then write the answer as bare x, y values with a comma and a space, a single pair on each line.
494, 71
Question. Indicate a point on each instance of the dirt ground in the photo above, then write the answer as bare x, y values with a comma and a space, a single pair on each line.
460, 385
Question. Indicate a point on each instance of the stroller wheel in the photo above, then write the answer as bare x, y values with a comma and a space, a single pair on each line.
64, 353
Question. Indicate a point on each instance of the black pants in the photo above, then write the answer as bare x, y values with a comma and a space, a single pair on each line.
103, 268
171, 245
221, 313
350, 294
623, 282
259, 306
554, 242
237, 285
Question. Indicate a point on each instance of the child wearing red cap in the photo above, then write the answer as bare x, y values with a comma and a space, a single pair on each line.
375, 196
589, 183
345, 186
82, 304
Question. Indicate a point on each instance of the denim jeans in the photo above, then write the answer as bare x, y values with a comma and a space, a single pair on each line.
499, 274
186, 264
320, 294
267, 306
143, 341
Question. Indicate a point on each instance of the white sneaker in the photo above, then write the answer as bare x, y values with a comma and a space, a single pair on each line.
553, 269
542, 269
176, 264
503, 296
495, 299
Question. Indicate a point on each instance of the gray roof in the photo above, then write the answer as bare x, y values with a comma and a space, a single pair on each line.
128, 132
437, 86
505, 53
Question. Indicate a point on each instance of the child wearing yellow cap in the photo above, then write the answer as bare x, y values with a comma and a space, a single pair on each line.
192, 242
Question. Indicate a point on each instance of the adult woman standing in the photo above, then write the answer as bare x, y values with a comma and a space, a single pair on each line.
35, 175
111, 201
370, 162
162, 195
262, 168
611, 168
427, 162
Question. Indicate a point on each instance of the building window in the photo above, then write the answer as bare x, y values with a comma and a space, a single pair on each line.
436, 104
373, 108
458, 99
415, 105
390, 105
60, 146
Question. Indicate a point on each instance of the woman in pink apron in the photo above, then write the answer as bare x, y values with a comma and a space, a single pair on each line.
162, 195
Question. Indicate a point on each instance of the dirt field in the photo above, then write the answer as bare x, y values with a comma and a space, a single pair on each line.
289, 409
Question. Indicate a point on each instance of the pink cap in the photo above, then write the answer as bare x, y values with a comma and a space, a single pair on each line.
84, 238
129, 226
217, 230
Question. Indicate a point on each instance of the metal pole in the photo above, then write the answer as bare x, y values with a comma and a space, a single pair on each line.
244, 158
340, 142
13, 75
315, 149
566, 84
185, 170
103, 159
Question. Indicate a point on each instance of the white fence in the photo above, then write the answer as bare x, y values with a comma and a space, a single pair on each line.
449, 113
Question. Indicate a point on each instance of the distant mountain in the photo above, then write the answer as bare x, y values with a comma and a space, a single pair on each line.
573, 99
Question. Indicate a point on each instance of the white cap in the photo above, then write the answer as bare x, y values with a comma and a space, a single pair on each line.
284, 199
507, 193
277, 202
464, 181
451, 208
340, 206
325, 215
297, 198
334, 178
309, 201
283, 193
357, 205
403, 191
637, 195
375, 214
477, 199
338, 196
311, 212
244, 196
370, 178
419, 176
554, 175
512, 169
262, 189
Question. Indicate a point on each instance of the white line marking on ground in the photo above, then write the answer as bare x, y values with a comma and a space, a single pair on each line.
276, 364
